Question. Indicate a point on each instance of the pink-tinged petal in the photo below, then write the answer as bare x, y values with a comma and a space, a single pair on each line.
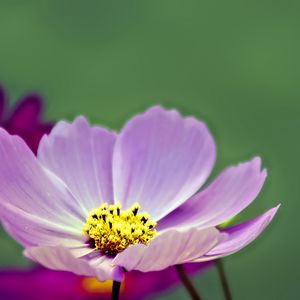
81, 156
60, 258
36, 207
80, 250
239, 236
160, 160
170, 247
231, 192
30, 230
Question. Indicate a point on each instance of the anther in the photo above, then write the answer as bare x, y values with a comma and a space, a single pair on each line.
144, 220
111, 229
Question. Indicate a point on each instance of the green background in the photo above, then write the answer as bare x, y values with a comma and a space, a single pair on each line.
233, 64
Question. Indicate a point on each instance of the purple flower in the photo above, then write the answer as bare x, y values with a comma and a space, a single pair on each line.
24, 120
39, 283
95, 202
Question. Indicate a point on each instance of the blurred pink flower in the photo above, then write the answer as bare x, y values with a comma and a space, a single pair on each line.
40, 283
159, 159
24, 119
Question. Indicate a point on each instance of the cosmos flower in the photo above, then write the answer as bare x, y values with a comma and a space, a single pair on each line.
98, 203
38, 283
25, 119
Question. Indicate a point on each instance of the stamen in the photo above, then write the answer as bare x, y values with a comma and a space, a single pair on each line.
112, 229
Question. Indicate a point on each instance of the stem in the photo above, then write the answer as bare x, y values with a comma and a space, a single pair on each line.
223, 279
187, 282
115, 290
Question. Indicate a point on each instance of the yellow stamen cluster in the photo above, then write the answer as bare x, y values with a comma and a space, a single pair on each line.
112, 229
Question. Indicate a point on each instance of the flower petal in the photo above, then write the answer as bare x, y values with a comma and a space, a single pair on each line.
160, 160
30, 230
35, 206
168, 248
232, 191
81, 156
239, 236
25, 120
60, 258
25, 116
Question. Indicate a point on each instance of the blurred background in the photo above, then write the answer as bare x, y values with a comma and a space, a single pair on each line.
233, 64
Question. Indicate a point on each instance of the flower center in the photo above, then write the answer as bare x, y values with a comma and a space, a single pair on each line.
113, 229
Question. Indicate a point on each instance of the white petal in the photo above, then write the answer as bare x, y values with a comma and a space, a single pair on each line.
36, 207
160, 160
81, 156
168, 248
60, 258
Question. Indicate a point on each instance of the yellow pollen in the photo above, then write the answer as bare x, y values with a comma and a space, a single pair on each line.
113, 229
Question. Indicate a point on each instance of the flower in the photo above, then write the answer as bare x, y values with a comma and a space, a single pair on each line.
86, 181
31, 284
24, 120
